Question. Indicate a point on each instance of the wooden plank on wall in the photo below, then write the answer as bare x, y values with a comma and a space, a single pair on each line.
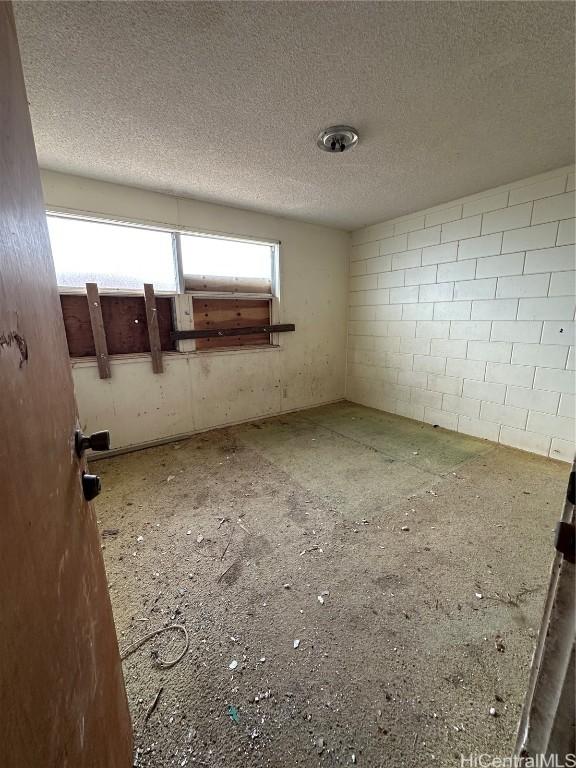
98, 331
231, 313
153, 330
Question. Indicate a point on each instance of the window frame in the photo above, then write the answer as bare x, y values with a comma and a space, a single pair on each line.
181, 297
176, 232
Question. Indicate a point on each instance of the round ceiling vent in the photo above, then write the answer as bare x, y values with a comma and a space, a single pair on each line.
337, 138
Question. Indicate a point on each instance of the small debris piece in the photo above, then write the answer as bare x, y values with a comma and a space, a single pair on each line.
326, 593
188, 533
405, 528
296, 643
153, 706
233, 664
493, 712
320, 599
262, 659
233, 713
287, 586
199, 539
110, 532
170, 478
140, 538
353, 757
479, 595
254, 733
499, 644
415, 453
320, 744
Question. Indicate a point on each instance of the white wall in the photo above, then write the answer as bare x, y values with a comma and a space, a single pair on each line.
462, 315
198, 391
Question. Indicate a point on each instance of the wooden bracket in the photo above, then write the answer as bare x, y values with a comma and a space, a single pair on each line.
153, 330
98, 331
209, 333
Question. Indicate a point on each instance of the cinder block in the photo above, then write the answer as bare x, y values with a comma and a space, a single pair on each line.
479, 331
407, 259
410, 410
483, 390
372, 233
408, 225
567, 406
478, 247
566, 232
429, 364
457, 270
561, 308
360, 342
490, 351
563, 450
437, 292
571, 361
437, 254
555, 380
452, 310
553, 208
363, 282
499, 266
391, 279
504, 414
475, 289
379, 264
562, 284
513, 217
451, 385
542, 355
495, 309
467, 369
533, 399
402, 328
485, 204
462, 405
445, 348
530, 238
540, 189
433, 329
357, 268
557, 259
417, 311
483, 429
571, 182
404, 295
446, 214
384, 344
395, 360
417, 379
426, 397
362, 313
526, 441
462, 229
441, 418
420, 275
516, 375
423, 237
393, 245
555, 426
366, 298
506, 330
365, 251
389, 312
413, 346
523, 286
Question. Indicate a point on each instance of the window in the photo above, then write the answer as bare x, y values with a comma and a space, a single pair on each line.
115, 256
230, 284
219, 264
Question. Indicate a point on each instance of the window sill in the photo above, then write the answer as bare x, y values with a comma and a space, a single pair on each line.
90, 362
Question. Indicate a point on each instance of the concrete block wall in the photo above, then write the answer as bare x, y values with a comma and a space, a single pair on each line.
463, 315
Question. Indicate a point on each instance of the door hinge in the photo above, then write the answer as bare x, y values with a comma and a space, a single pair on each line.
564, 540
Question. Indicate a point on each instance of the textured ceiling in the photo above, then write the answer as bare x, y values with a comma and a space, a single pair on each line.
222, 101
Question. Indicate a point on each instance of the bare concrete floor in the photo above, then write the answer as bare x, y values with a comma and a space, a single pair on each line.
421, 631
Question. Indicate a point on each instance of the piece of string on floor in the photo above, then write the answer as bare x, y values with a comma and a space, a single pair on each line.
161, 663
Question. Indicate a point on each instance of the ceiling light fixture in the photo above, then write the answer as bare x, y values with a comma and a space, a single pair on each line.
337, 138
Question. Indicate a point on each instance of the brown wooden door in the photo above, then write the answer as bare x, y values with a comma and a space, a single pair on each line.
62, 697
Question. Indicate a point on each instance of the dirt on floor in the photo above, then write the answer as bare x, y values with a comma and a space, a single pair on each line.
358, 588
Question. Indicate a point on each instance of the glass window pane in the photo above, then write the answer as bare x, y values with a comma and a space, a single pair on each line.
216, 257
112, 255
